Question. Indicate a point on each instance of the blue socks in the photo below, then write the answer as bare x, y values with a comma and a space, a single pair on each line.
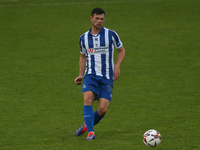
91, 118
97, 118
88, 116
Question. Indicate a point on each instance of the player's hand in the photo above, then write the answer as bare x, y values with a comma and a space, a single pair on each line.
116, 73
78, 80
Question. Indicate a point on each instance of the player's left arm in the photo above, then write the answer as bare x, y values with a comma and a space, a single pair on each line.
120, 58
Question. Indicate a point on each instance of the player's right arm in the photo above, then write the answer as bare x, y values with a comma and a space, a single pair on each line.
82, 67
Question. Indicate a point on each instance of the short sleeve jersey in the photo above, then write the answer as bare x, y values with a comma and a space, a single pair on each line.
99, 51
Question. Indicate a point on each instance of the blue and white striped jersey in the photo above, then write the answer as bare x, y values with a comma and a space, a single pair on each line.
99, 50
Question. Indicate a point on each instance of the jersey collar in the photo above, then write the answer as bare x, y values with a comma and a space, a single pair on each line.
101, 31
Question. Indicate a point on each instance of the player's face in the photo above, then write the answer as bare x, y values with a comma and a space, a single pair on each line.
97, 20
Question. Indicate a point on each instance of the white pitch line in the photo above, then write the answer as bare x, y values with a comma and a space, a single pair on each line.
65, 3
7, 0
78, 3
75, 3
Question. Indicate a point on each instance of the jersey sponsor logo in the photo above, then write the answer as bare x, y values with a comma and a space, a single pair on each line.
90, 50
100, 50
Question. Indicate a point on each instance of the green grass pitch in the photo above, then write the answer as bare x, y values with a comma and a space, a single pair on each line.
159, 87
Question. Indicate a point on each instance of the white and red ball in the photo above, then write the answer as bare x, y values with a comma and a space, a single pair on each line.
152, 138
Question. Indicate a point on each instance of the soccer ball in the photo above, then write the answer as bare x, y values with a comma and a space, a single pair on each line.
152, 138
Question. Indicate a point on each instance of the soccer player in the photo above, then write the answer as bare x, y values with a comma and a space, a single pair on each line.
96, 64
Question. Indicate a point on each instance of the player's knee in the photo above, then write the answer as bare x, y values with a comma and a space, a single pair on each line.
102, 111
87, 101
88, 98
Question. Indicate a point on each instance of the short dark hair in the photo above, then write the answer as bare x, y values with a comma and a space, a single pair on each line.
97, 11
